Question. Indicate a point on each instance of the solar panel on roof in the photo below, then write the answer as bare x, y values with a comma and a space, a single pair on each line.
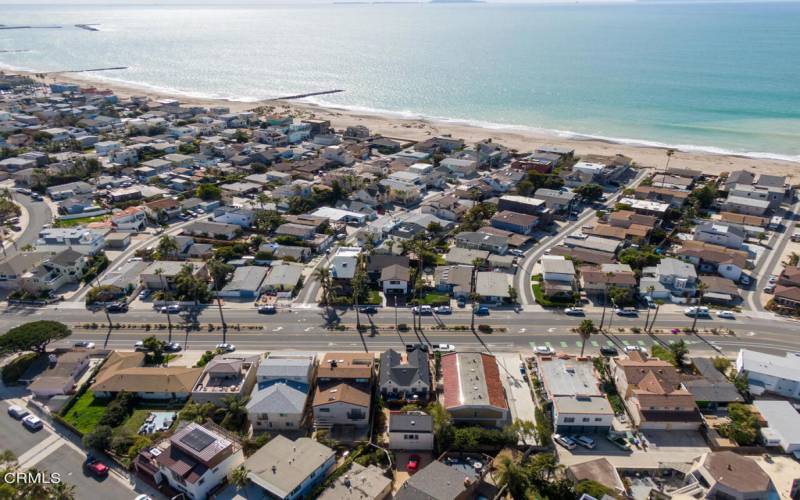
197, 440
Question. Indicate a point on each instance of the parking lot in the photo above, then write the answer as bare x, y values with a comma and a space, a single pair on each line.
17, 438
662, 446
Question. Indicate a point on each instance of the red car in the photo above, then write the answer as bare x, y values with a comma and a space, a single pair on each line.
97, 469
413, 464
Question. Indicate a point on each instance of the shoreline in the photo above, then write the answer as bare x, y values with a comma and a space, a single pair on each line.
520, 138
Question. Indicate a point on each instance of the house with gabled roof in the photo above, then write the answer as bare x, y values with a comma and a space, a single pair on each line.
405, 376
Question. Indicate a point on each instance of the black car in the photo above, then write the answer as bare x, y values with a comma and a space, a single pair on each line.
609, 351
369, 309
421, 347
118, 307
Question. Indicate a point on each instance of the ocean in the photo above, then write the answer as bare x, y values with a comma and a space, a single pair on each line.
721, 77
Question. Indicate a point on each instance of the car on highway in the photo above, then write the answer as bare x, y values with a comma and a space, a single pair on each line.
17, 412
95, 467
443, 310
268, 309
699, 311
117, 307
171, 309
369, 309
172, 347
482, 311
139, 346
36, 197
544, 349
627, 311
84, 343
413, 347
32, 423
564, 441
226, 347
422, 310
609, 351
444, 348
585, 441
573, 311
633, 348
726, 315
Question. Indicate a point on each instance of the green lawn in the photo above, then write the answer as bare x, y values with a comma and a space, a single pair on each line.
543, 301
374, 298
86, 412
137, 418
433, 299
79, 221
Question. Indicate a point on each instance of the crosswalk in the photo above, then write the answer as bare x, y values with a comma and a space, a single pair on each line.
643, 343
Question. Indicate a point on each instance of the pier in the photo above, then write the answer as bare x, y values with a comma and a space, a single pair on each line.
309, 94
84, 70
30, 27
87, 27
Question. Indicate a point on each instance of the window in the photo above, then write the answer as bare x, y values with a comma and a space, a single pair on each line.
569, 420
585, 419
324, 410
598, 419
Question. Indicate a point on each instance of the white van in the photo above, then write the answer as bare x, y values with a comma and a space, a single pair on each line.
17, 412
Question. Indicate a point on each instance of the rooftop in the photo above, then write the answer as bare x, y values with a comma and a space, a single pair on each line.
282, 465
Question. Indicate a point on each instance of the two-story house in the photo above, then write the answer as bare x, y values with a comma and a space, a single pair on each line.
405, 376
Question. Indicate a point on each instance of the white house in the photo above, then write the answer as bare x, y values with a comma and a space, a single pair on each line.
241, 217
81, 240
719, 233
344, 262
783, 425
770, 373
131, 219
105, 148
410, 431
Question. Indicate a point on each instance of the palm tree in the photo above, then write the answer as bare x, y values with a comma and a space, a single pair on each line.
670, 152
475, 301
238, 477
262, 199
160, 273
167, 247
359, 283
585, 330
323, 274
219, 271
659, 303
605, 301
512, 476
701, 288
235, 411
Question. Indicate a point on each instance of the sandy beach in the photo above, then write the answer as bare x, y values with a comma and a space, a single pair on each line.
419, 129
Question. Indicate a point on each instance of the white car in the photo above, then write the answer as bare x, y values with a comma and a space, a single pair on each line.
32, 423
543, 349
85, 344
696, 310
139, 346
725, 315
773, 279
17, 412
226, 347
517, 252
443, 310
632, 348
564, 441
585, 441
574, 311
444, 348
172, 309
422, 310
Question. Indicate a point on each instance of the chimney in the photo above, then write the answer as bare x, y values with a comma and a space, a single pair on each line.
274, 469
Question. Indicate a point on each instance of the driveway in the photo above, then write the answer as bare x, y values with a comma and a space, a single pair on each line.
520, 400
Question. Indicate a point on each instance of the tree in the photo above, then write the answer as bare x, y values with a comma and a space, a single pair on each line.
240, 136
238, 477
743, 427
621, 296
650, 290
196, 412
585, 329
155, 348
33, 336
267, 220
234, 410
167, 248
99, 438
679, 352
669, 152
218, 271
512, 476
190, 287
701, 288
589, 192
659, 303
208, 192
359, 285
434, 227
164, 293
512, 294
323, 275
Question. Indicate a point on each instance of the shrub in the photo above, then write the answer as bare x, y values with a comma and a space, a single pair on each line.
14, 369
99, 438
485, 328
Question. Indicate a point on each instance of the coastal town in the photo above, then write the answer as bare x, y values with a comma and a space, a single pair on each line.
208, 303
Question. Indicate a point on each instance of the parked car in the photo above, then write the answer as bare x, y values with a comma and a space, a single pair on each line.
32, 423
369, 309
444, 348
412, 465
144, 293
17, 412
574, 311
769, 289
544, 349
268, 309
422, 310
517, 252
725, 315
773, 279
139, 346
462, 303
698, 311
482, 311
585, 441
443, 310
619, 442
609, 351
564, 441
23, 191
421, 347
745, 279
627, 311
171, 309
632, 348
96, 468
226, 347
84, 343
